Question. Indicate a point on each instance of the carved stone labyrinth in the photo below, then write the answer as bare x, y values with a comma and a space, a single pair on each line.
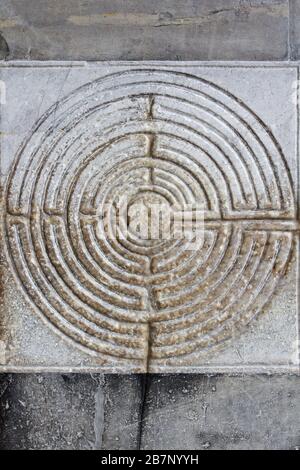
163, 136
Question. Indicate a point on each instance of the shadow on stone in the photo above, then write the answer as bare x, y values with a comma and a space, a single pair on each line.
4, 49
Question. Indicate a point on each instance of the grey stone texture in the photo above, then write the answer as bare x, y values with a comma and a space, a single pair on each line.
295, 29
4, 51
127, 393
145, 30
71, 411
222, 413
253, 412
50, 412
176, 412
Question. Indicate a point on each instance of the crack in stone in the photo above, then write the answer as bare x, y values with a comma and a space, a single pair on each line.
145, 385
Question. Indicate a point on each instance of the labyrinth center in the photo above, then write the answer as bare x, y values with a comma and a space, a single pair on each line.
159, 136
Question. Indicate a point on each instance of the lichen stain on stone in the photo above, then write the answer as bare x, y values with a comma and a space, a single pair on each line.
9, 23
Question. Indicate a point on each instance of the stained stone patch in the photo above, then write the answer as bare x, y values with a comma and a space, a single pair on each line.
83, 287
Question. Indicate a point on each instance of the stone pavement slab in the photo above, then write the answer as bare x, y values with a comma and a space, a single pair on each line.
77, 138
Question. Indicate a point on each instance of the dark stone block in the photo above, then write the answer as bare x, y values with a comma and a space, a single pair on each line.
50, 412
222, 413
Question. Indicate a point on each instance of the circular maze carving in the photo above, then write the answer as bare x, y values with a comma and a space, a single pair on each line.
163, 136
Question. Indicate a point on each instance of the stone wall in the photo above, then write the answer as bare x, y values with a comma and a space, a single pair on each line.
57, 411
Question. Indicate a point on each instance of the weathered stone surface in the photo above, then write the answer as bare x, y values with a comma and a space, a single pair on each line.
42, 411
4, 50
222, 413
124, 396
295, 29
51, 412
146, 30
276, 420
177, 412
223, 138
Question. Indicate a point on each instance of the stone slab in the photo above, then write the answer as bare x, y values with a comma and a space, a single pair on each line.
144, 30
51, 412
74, 136
222, 413
80, 411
